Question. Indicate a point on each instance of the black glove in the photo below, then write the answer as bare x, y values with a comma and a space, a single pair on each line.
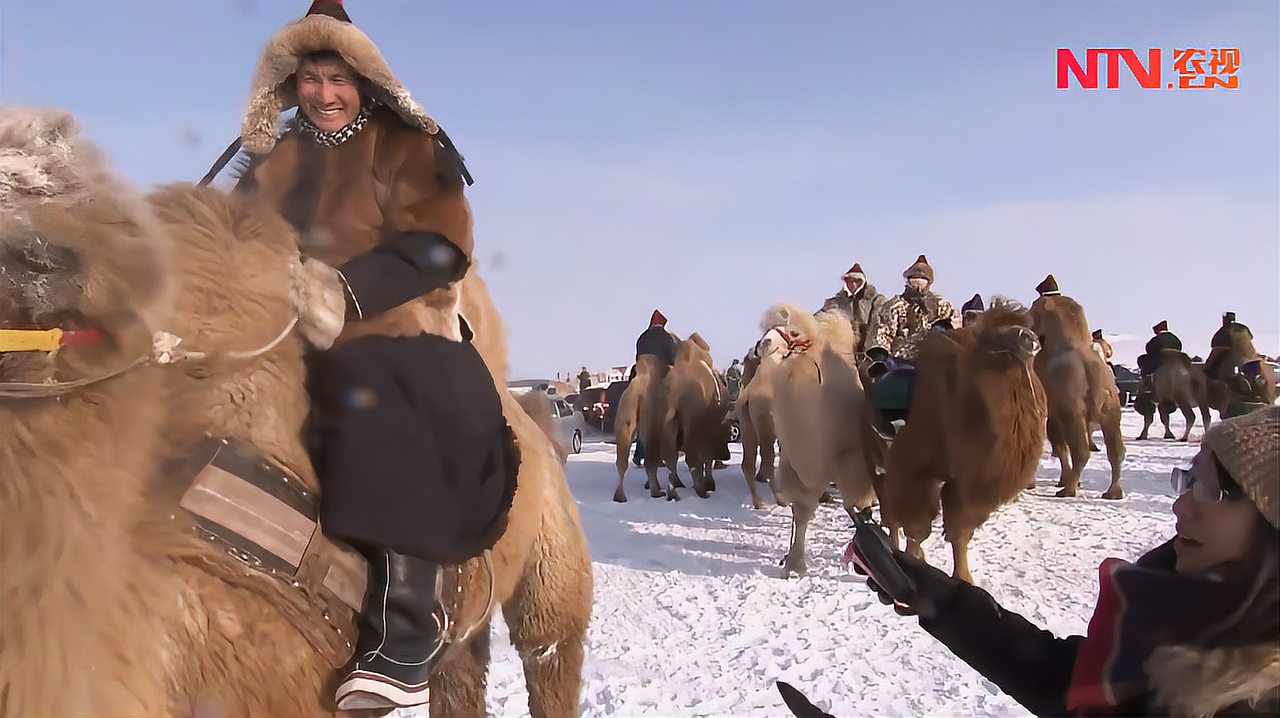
934, 588
404, 267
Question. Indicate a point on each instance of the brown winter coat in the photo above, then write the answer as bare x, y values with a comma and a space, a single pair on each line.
345, 200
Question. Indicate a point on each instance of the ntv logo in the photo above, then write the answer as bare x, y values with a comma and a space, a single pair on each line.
1197, 69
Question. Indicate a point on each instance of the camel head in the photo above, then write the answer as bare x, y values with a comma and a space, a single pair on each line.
83, 264
794, 327
1004, 332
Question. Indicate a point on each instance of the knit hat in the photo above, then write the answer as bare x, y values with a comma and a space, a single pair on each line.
973, 305
1249, 448
657, 320
855, 271
1048, 287
920, 269
1163, 326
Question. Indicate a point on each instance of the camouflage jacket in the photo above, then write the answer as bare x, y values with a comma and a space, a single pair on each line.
901, 325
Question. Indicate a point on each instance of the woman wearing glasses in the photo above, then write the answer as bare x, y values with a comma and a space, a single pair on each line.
1192, 628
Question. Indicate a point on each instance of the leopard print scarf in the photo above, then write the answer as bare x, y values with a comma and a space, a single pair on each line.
337, 137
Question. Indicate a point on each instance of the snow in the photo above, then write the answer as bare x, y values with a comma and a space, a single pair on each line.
690, 617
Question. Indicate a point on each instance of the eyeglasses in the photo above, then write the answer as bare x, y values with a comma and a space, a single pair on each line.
1182, 481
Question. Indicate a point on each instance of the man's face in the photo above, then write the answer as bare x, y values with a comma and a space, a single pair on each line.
853, 284
328, 93
917, 284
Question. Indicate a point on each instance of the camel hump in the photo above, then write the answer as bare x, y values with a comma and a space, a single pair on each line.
1177, 354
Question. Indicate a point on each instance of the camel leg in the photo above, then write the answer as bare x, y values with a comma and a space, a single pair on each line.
458, 685
749, 449
671, 456
548, 617
766, 470
1148, 416
804, 503
1166, 411
625, 437
959, 520
1061, 451
1073, 431
1189, 414
651, 465
1114, 442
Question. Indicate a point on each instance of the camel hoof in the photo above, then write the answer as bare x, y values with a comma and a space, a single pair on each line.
1114, 492
1185, 439
657, 494
702, 494
758, 505
620, 498
1169, 436
711, 483
794, 571
1140, 437
1066, 493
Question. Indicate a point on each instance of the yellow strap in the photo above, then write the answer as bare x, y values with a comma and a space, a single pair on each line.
30, 340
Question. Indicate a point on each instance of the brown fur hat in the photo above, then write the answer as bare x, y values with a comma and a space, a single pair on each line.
919, 269
325, 27
1249, 448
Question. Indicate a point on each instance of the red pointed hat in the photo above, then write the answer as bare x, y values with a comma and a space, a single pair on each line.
657, 320
1048, 288
855, 271
332, 8
1163, 326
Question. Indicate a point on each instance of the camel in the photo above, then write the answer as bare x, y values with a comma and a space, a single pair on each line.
113, 603
818, 396
975, 435
1081, 391
638, 415
1176, 384
755, 414
694, 418
1241, 352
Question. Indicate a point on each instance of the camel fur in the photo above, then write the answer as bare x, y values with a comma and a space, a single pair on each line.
1081, 391
818, 396
1241, 351
1177, 385
975, 435
128, 611
755, 415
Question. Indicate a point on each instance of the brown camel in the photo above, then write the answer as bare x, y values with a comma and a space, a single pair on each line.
1241, 351
112, 604
639, 415
755, 415
1177, 385
695, 417
817, 398
975, 434
1081, 391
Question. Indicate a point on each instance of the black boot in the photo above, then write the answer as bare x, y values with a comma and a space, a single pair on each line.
401, 638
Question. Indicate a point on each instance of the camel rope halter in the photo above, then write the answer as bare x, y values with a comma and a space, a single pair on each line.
165, 349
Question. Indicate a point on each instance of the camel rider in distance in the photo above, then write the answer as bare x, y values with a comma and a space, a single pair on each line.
654, 341
1149, 362
900, 326
1220, 345
972, 310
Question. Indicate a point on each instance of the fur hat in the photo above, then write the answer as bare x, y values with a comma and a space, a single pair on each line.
855, 271
920, 269
326, 26
1048, 287
1163, 326
657, 319
973, 305
1249, 448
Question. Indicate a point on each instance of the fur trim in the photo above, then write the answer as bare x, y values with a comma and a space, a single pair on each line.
1195, 682
272, 94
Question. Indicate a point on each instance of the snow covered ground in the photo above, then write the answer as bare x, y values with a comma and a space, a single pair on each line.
690, 616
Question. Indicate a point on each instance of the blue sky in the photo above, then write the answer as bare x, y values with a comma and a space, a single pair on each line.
710, 157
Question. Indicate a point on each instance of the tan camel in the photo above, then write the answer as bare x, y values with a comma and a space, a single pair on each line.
817, 398
975, 435
1176, 384
112, 603
755, 415
1081, 391
639, 415
695, 417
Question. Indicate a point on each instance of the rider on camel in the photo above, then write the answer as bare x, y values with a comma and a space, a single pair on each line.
1149, 362
972, 310
900, 326
860, 301
1102, 346
416, 462
654, 341
1221, 345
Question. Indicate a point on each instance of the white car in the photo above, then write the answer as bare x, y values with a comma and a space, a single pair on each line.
568, 425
